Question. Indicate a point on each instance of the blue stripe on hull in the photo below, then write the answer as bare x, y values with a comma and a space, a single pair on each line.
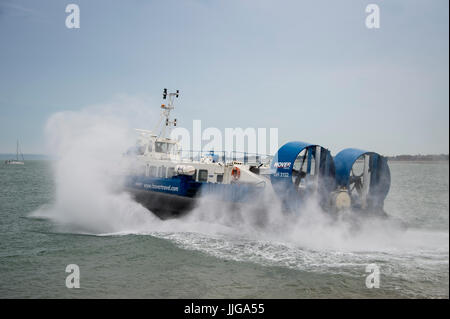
186, 187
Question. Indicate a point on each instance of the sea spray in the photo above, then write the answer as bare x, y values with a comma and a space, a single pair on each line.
89, 146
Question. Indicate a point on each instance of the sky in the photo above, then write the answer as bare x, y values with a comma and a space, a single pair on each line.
312, 69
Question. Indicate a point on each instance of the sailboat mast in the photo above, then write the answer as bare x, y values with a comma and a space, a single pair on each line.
17, 151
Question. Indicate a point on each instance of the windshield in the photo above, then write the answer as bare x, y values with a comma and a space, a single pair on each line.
162, 147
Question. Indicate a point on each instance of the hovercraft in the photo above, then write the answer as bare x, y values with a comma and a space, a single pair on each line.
168, 180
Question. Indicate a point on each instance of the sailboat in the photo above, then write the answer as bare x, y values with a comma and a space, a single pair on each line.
16, 161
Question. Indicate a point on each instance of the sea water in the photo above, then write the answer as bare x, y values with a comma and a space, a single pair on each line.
49, 220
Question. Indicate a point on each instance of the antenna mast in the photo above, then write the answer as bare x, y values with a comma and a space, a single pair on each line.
165, 112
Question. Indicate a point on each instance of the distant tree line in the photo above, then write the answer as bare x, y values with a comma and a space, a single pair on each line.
439, 157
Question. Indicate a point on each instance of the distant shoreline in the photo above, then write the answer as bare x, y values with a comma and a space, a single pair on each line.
442, 158
419, 158
418, 161
27, 157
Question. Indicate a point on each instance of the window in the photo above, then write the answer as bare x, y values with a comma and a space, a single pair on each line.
219, 178
203, 175
162, 171
150, 147
170, 172
152, 171
162, 147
